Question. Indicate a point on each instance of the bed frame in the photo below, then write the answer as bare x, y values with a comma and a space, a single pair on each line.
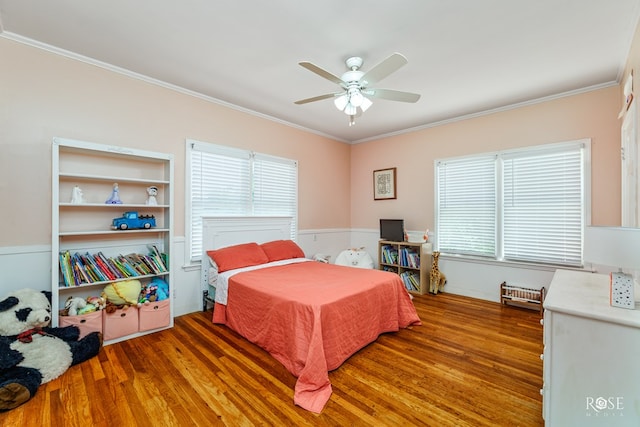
222, 231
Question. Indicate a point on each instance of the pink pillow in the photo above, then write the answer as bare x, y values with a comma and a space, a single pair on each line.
282, 249
238, 256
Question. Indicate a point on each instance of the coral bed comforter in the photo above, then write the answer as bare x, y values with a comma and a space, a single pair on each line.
312, 316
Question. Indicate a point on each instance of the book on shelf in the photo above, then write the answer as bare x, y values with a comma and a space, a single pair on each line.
409, 258
79, 269
64, 267
157, 258
104, 277
146, 259
119, 267
79, 266
73, 270
389, 254
108, 266
103, 267
88, 267
131, 271
122, 268
136, 262
411, 280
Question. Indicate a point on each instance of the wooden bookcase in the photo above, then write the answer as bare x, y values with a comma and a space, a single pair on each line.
409, 260
84, 226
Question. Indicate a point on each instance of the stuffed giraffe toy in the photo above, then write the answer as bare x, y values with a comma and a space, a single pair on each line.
437, 278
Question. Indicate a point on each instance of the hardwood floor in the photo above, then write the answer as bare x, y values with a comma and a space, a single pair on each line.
471, 363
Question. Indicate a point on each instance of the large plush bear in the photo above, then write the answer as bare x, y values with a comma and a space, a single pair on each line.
31, 353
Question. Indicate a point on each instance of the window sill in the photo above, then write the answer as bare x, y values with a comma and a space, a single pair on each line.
193, 266
503, 263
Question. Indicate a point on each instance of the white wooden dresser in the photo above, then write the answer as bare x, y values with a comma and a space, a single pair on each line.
591, 360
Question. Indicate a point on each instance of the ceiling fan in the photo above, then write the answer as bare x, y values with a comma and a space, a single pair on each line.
357, 85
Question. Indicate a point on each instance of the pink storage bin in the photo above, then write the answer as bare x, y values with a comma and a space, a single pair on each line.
87, 323
154, 315
120, 323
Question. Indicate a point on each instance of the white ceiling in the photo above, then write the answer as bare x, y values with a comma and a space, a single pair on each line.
465, 56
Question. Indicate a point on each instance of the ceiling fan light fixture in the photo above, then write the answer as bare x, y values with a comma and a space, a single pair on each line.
350, 110
366, 103
355, 97
341, 102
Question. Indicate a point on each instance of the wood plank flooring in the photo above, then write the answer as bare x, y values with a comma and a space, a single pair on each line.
471, 363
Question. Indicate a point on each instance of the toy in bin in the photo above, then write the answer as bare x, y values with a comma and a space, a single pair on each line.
122, 294
156, 290
76, 306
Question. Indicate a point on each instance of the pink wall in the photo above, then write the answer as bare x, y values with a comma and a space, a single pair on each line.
588, 115
43, 95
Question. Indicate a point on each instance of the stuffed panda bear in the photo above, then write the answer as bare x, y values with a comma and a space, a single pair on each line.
31, 353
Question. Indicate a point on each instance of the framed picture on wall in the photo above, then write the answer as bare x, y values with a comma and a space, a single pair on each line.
384, 184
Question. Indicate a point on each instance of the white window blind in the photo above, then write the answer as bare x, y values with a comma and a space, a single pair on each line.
543, 206
230, 181
466, 206
275, 185
521, 205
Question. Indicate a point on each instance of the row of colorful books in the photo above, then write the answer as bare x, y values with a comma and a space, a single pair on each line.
78, 269
409, 258
411, 280
389, 254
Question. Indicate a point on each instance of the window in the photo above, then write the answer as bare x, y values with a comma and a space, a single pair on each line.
229, 181
521, 205
467, 206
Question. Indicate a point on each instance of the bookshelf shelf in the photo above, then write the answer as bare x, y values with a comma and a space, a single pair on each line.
112, 232
85, 228
106, 206
409, 260
88, 177
106, 282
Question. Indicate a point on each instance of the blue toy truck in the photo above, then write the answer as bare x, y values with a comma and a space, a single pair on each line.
131, 220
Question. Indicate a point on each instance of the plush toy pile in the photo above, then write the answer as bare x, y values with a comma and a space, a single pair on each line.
31, 352
118, 295
76, 306
156, 290
133, 293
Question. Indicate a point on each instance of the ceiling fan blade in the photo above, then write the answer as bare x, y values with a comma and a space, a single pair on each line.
321, 72
318, 98
392, 95
383, 69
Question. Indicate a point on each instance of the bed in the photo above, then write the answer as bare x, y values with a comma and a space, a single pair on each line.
310, 316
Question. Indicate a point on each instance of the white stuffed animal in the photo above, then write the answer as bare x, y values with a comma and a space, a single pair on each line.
355, 257
74, 305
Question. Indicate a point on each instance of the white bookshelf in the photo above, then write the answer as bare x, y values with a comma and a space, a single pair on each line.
86, 227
